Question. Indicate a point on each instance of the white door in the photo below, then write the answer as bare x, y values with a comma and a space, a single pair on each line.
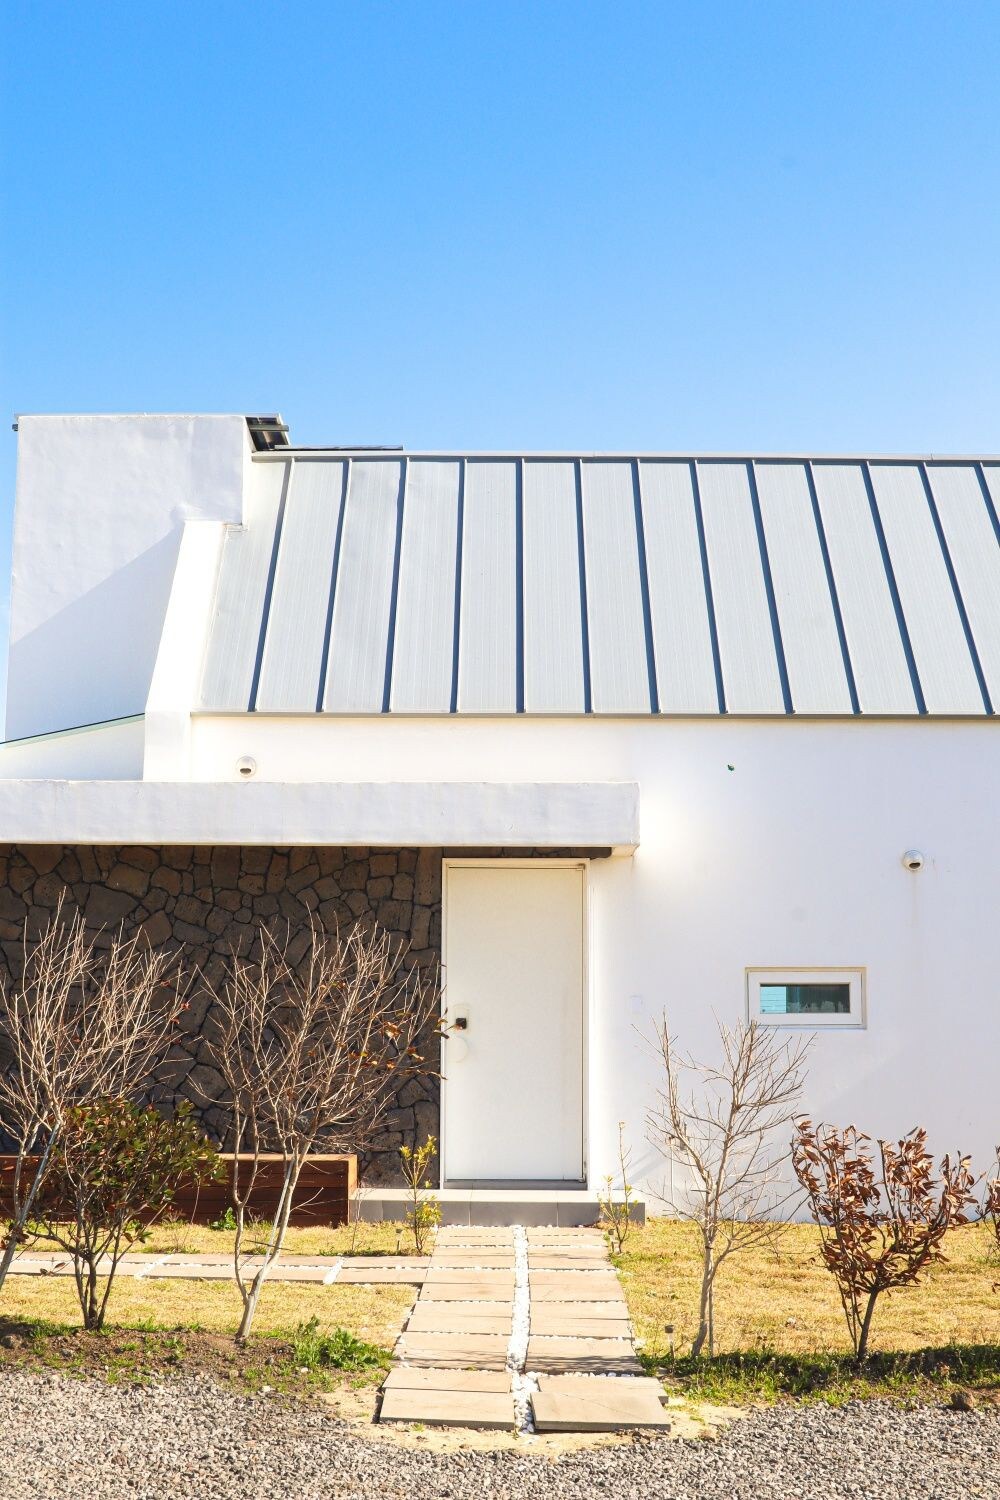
514, 986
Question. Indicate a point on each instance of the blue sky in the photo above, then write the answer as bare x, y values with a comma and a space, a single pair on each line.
754, 225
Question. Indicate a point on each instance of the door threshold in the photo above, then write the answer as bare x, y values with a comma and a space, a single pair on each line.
566, 1204
516, 1185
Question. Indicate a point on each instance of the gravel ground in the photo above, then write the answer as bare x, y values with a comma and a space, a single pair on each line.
191, 1440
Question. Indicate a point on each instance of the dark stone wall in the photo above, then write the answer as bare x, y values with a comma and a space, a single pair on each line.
206, 903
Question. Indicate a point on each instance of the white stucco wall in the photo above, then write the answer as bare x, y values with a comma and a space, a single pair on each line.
100, 505
103, 752
790, 858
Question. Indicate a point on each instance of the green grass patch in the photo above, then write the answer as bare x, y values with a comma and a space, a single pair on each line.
339, 1350
746, 1377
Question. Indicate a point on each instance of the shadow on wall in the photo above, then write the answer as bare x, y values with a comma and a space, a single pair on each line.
94, 659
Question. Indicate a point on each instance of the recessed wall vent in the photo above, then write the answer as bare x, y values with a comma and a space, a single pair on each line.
267, 433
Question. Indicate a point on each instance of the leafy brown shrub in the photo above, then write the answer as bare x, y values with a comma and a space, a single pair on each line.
991, 1208
881, 1224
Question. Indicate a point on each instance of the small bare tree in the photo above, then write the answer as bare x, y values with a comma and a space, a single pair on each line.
723, 1132
880, 1226
312, 1051
616, 1213
82, 1023
424, 1212
991, 1207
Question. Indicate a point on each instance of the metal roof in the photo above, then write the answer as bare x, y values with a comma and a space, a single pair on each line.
549, 584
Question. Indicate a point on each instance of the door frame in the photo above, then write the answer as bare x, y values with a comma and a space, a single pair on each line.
523, 863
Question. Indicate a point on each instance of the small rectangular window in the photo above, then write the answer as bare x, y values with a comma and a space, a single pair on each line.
806, 997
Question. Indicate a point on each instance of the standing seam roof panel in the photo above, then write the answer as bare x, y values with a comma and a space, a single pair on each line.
619, 671
241, 591
564, 585
816, 673
940, 649
685, 666
423, 661
553, 633
746, 639
873, 640
487, 654
975, 555
293, 648
359, 641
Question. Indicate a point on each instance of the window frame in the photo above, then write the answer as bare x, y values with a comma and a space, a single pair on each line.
856, 1019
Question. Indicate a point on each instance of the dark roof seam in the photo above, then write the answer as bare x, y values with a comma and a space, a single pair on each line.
265, 614
390, 644
970, 639
838, 615
897, 603
988, 498
647, 608
706, 573
588, 703
456, 642
772, 602
324, 666
519, 587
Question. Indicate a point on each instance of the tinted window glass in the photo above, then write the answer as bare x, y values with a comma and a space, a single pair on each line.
805, 999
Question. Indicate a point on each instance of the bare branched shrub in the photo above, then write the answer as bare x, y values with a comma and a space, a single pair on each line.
82, 1023
424, 1212
723, 1130
616, 1212
312, 1051
991, 1207
881, 1224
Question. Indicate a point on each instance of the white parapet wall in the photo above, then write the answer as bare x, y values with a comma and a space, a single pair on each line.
374, 815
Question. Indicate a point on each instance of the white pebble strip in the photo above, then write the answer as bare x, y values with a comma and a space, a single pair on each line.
517, 1349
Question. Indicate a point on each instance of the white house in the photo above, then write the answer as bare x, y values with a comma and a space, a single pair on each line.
607, 733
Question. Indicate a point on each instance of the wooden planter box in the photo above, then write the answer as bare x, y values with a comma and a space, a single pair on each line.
326, 1187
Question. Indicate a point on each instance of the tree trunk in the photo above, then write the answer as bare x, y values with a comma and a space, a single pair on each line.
711, 1318
704, 1304
866, 1327
15, 1229
91, 1312
291, 1182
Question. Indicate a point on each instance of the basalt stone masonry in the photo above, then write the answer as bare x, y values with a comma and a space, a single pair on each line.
207, 903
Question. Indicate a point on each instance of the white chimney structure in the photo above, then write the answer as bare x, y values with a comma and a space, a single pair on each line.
100, 510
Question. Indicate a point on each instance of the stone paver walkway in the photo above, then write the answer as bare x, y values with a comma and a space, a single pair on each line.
321, 1269
517, 1327
511, 1328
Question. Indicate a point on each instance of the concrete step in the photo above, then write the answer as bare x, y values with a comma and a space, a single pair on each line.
597, 1404
489, 1207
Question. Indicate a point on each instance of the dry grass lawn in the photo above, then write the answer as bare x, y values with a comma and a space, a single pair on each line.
789, 1304
374, 1314
349, 1239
